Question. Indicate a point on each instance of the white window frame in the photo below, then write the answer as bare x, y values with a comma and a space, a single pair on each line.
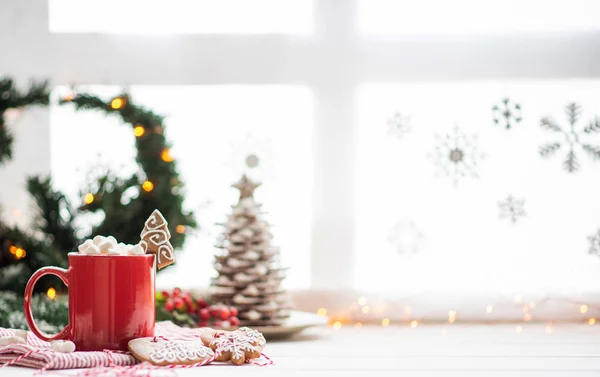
333, 61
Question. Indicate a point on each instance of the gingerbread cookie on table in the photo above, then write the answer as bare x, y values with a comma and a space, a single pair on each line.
239, 346
159, 351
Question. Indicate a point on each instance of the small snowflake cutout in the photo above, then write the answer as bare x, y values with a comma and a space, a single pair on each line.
512, 208
457, 155
398, 126
507, 114
405, 237
594, 243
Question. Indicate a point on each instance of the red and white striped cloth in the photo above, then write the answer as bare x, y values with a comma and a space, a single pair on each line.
38, 354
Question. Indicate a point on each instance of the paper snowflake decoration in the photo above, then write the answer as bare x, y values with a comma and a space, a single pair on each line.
457, 155
595, 243
507, 114
252, 153
573, 139
398, 125
405, 237
512, 208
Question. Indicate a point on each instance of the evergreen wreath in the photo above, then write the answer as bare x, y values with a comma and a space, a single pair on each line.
55, 235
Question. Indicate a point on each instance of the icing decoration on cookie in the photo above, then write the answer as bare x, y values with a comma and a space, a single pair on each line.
253, 315
161, 351
242, 277
236, 263
155, 239
251, 290
260, 269
179, 352
239, 346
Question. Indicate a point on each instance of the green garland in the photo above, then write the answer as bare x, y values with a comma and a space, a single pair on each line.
158, 184
51, 316
11, 98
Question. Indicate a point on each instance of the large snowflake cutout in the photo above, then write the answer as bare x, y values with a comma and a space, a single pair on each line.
507, 114
572, 137
595, 243
405, 237
457, 155
398, 125
512, 208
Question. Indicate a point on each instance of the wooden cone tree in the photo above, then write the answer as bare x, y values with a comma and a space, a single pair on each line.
248, 274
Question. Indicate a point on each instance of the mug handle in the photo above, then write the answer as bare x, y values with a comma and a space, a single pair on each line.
64, 276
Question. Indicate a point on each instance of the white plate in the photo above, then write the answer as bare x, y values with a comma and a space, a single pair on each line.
297, 322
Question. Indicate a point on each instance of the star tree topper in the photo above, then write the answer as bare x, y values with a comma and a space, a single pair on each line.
246, 187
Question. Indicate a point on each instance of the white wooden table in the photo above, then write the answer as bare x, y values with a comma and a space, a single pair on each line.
452, 350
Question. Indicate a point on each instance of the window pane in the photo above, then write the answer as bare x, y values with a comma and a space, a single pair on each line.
181, 16
435, 177
476, 16
213, 130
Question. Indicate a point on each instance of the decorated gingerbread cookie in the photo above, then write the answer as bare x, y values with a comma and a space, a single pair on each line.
155, 239
159, 351
239, 346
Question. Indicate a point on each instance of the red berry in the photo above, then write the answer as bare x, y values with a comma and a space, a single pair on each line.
165, 294
201, 303
179, 304
217, 324
214, 311
176, 292
188, 301
203, 324
233, 310
204, 314
224, 314
169, 305
234, 321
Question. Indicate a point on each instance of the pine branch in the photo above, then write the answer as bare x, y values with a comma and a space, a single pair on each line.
573, 110
571, 163
6, 141
593, 126
593, 150
11, 98
549, 149
56, 213
550, 124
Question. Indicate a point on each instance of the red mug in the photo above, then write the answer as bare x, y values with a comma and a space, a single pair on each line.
111, 300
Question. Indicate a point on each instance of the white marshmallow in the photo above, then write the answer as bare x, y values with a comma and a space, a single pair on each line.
115, 250
64, 346
136, 250
6, 340
85, 245
112, 240
104, 246
21, 334
92, 250
98, 240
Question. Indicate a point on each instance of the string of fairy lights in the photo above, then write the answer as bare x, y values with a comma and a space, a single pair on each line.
359, 318
116, 103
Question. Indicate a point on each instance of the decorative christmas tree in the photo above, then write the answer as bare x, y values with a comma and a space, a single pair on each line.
249, 277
